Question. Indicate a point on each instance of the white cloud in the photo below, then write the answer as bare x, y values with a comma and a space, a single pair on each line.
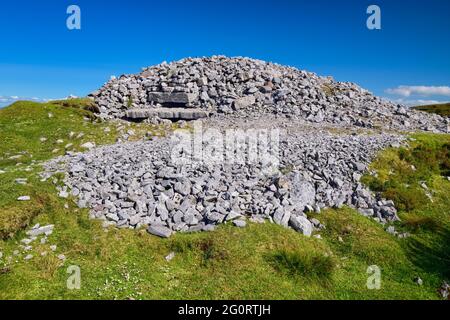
415, 102
424, 91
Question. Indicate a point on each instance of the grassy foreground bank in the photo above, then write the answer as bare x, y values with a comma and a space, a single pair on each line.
260, 262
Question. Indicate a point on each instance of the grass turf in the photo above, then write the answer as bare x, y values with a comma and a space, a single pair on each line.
440, 109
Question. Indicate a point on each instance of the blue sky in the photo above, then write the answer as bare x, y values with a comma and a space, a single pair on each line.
40, 58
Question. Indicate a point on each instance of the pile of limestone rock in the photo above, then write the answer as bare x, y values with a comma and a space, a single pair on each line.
136, 184
194, 88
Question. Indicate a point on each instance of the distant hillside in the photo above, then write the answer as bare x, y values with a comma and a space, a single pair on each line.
440, 109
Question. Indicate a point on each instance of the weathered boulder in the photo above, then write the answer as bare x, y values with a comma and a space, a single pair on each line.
301, 224
160, 231
303, 192
282, 216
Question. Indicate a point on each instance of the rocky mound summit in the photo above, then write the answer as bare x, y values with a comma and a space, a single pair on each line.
194, 88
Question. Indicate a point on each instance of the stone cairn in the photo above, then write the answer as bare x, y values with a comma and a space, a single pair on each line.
136, 184
192, 88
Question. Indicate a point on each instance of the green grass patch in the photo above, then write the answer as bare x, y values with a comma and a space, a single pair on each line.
33, 132
401, 173
296, 263
440, 109
416, 178
416, 223
260, 262
78, 103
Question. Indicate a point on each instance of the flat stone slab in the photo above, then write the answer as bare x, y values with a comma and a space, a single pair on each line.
160, 231
167, 113
40, 230
172, 97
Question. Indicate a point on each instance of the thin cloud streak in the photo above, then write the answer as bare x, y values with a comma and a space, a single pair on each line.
424, 91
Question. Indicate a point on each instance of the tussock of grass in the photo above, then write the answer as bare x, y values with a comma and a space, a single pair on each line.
209, 249
414, 223
78, 103
303, 264
15, 218
329, 90
408, 198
